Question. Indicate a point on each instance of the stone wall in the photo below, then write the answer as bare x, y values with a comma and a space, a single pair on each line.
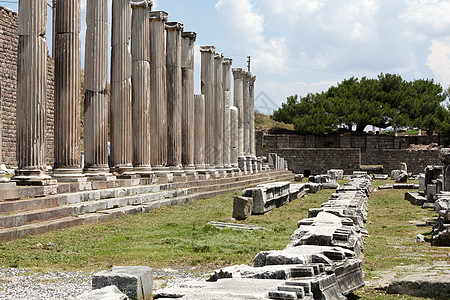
318, 161
416, 160
363, 142
314, 152
8, 71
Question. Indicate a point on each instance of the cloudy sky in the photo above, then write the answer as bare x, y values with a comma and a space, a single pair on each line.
302, 46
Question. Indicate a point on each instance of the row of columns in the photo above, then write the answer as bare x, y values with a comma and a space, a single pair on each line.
158, 126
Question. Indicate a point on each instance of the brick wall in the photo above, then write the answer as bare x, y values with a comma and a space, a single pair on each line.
8, 71
320, 160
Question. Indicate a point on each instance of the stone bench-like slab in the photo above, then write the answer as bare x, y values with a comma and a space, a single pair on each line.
268, 196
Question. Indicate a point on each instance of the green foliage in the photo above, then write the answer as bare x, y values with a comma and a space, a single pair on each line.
388, 101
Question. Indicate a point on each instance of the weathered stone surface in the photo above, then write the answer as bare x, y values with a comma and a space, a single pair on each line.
107, 293
335, 174
297, 190
268, 196
135, 282
218, 110
242, 207
415, 198
380, 176
199, 113
314, 187
234, 136
297, 177
239, 103
226, 71
422, 286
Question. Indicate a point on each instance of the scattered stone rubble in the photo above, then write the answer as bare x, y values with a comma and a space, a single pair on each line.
322, 260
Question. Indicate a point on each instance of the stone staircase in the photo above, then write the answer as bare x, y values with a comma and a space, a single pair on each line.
34, 210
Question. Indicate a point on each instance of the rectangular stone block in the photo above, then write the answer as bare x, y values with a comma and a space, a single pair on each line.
135, 282
242, 207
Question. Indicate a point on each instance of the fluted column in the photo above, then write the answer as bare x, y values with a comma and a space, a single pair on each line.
121, 159
234, 132
3, 179
208, 90
96, 96
218, 111
187, 73
252, 122
67, 54
158, 100
199, 132
247, 120
174, 96
31, 92
239, 103
141, 88
226, 67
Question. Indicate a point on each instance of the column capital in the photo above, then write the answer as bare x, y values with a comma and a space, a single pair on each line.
189, 35
158, 16
174, 26
247, 76
252, 79
218, 56
141, 3
227, 61
238, 73
208, 49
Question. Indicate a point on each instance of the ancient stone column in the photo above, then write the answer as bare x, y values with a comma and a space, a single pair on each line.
234, 132
187, 73
140, 46
31, 93
199, 133
208, 90
158, 103
247, 120
218, 111
121, 159
96, 96
238, 75
174, 97
226, 67
252, 123
3, 179
67, 55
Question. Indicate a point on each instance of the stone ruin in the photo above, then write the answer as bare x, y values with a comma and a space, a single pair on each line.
321, 261
159, 128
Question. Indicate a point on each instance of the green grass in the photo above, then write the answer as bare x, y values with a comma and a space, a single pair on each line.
180, 237
175, 236
265, 122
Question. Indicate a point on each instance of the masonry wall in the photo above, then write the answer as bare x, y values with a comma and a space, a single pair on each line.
318, 161
309, 152
8, 72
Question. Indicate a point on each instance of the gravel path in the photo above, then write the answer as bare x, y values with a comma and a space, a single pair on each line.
32, 285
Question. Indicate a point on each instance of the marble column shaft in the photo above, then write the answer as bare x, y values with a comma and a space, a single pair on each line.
140, 54
218, 111
158, 103
234, 132
121, 105
67, 54
239, 103
31, 89
246, 107
96, 96
199, 131
252, 115
208, 90
174, 94
187, 70
226, 66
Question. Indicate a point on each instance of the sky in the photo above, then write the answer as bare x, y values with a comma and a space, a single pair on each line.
305, 46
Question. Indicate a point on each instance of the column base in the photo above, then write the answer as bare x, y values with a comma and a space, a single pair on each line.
100, 173
69, 175
190, 170
146, 171
32, 177
177, 172
124, 172
248, 162
242, 164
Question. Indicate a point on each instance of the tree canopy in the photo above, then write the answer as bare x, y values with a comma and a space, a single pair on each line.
387, 101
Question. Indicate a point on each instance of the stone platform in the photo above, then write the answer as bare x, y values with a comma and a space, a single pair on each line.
36, 210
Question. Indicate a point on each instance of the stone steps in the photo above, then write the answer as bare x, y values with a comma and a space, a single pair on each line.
35, 216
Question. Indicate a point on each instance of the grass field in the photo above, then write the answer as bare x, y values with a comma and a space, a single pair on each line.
180, 237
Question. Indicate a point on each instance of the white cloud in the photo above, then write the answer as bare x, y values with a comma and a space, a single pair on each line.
439, 61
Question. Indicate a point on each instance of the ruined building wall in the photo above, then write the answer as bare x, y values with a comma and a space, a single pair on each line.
308, 152
8, 70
